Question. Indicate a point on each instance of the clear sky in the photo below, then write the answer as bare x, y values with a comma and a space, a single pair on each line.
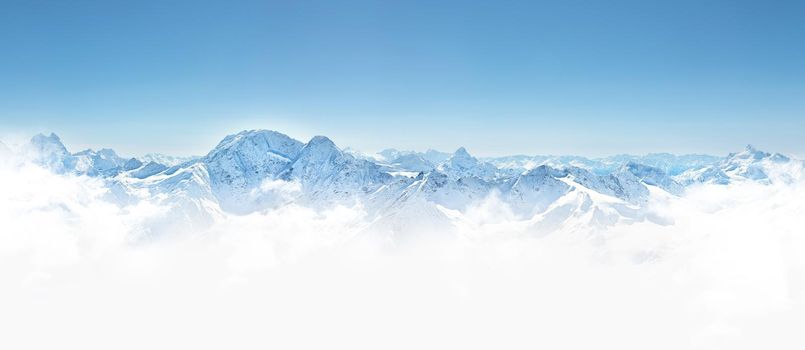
499, 77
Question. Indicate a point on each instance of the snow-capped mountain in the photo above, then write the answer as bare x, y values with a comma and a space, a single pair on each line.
412, 162
104, 162
537, 189
534, 190
748, 165
187, 192
327, 173
669, 163
260, 169
141, 171
432, 156
165, 159
49, 152
654, 177
461, 164
236, 171
240, 163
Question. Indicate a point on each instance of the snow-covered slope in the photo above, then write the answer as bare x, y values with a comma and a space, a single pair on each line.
328, 174
260, 169
534, 190
240, 163
186, 193
462, 164
104, 162
146, 170
748, 165
166, 160
431, 155
439, 188
653, 176
49, 152
412, 162
668, 163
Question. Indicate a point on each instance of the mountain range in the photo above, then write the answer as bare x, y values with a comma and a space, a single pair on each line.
403, 191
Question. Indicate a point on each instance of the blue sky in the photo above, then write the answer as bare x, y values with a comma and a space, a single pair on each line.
499, 77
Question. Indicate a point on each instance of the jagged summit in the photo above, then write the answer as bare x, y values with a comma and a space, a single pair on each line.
166, 159
653, 176
412, 162
40, 137
241, 162
389, 154
750, 164
49, 151
51, 143
462, 159
320, 143
103, 152
321, 140
254, 170
149, 169
132, 164
320, 149
321, 162
461, 152
435, 156
750, 152
104, 162
462, 164
258, 141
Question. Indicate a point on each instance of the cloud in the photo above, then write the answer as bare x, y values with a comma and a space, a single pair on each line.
728, 273
275, 193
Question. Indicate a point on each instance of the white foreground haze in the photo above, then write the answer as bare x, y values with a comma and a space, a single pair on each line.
269, 242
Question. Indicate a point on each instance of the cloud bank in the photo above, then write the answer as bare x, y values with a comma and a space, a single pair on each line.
726, 270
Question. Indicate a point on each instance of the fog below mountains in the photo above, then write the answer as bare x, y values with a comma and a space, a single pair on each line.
723, 269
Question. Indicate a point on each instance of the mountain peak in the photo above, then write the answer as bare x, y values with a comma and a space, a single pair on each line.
320, 147
319, 140
41, 138
461, 159
637, 168
255, 142
132, 164
107, 152
48, 144
540, 171
462, 152
250, 135
651, 175
750, 152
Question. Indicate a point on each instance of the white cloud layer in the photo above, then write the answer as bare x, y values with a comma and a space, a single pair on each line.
75, 272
